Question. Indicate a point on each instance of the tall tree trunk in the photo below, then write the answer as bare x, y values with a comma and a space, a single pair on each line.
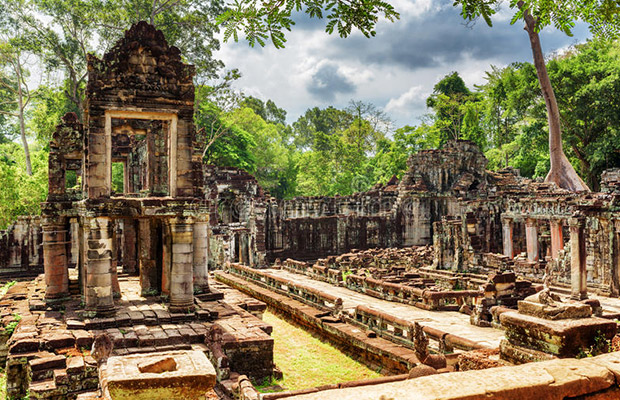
22, 122
561, 172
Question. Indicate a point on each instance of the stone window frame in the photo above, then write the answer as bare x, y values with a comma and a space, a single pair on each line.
146, 115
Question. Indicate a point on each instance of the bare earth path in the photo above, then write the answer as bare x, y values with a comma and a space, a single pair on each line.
447, 321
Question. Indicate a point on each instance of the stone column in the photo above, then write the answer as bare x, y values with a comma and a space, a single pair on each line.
166, 264
507, 225
98, 293
201, 254
129, 246
146, 256
557, 239
55, 258
579, 289
116, 288
182, 275
531, 238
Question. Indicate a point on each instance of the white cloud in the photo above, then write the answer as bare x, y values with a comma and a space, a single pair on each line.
412, 97
396, 70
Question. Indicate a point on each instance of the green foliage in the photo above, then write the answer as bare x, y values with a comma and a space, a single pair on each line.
587, 85
457, 112
601, 345
117, 177
602, 16
5, 288
268, 150
21, 194
48, 107
263, 21
10, 327
345, 274
187, 24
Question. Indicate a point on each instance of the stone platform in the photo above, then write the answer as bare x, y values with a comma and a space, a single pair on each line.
189, 376
48, 353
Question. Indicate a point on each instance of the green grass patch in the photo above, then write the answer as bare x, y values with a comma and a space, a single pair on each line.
2, 384
306, 361
5, 288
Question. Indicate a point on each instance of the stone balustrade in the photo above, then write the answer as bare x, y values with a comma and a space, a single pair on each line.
296, 291
401, 331
445, 300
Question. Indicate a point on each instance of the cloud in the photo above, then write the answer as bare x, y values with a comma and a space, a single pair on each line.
427, 43
412, 98
440, 37
328, 81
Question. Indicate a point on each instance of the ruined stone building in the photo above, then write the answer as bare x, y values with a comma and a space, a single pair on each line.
139, 117
129, 194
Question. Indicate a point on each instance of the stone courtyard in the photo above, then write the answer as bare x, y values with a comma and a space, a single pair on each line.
455, 282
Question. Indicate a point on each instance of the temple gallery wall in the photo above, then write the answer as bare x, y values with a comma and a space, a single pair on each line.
165, 265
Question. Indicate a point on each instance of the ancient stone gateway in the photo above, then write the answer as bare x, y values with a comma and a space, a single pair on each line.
139, 115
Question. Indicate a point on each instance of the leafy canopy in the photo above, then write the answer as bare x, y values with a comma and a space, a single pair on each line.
262, 20
603, 16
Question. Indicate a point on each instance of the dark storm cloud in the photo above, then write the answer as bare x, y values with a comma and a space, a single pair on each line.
327, 82
440, 38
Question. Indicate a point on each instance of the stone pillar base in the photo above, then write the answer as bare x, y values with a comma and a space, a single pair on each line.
181, 308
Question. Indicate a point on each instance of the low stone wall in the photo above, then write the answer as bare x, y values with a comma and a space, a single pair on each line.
378, 353
401, 331
303, 293
449, 300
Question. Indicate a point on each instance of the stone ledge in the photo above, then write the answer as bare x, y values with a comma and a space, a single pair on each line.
563, 338
555, 379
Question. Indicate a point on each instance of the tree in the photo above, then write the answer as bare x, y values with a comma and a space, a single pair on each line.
448, 100
587, 81
603, 17
369, 126
268, 111
13, 78
65, 31
507, 97
313, 129
392, 155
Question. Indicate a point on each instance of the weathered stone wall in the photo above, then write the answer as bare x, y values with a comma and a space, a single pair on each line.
397, 214
21, 250
237, 215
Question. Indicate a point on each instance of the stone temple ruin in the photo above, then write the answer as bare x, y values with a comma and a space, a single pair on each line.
474, 284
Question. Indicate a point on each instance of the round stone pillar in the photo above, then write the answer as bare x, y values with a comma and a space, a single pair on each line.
507, 227
98, 293
579, 289
201, 254
182, 271
55, 259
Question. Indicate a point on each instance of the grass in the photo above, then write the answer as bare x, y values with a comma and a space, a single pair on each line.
5, 288
306, 361
2, 384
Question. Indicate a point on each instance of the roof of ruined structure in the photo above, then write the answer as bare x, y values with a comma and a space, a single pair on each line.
130, 62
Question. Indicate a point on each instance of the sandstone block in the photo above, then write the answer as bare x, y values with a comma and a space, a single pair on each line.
193, 377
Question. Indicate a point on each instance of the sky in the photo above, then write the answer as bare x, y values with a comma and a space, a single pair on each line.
395, 70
